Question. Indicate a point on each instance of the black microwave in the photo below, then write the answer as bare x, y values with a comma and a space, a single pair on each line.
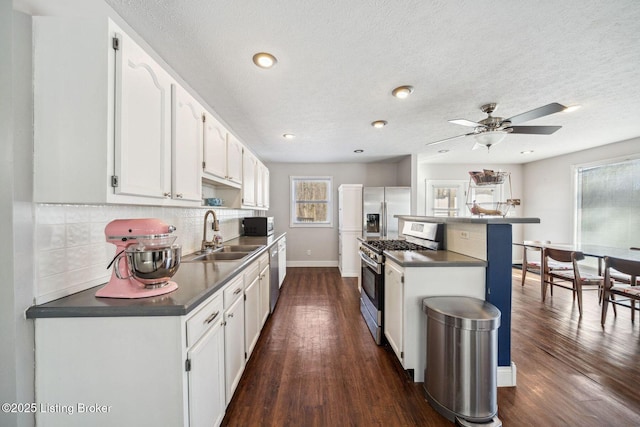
258, 225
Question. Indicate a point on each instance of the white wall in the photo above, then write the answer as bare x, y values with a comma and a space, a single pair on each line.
549, 190
323, 242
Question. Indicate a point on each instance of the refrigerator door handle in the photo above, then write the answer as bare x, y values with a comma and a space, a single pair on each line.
382, 220
384, 216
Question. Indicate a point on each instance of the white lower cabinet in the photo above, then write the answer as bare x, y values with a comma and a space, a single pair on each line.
265, 283
252, 324
234, 354
205, 366
405, 289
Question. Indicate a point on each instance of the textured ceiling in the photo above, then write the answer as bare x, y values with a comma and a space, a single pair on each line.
339, 60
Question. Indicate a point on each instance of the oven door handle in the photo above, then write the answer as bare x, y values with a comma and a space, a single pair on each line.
374, 265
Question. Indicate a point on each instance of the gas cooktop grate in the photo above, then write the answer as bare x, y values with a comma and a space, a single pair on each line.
394, 245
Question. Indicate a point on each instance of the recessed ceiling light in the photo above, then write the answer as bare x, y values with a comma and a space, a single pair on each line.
572, 108
288, 136
379, 124
402, 91
358, 151
443, 151
264, 60
526, 152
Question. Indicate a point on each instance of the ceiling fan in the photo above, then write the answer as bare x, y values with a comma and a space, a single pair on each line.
492, 130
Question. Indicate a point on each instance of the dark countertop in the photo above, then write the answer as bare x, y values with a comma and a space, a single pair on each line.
196, 281
433, 259
471, 219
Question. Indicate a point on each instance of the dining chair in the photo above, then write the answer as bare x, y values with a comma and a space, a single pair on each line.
570, 278
628, 290
534, 263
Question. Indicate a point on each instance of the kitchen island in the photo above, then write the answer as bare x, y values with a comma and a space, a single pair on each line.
174, 359
488, 239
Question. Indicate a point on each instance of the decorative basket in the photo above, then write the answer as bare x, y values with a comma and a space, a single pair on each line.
488, 177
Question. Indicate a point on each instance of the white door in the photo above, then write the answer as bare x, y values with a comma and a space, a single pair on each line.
265, 187
259, 184
234, 159
234, 346
252, 323
206, 379
265, 295
249, 165
186, 146
215, 148
142, 123
394, 309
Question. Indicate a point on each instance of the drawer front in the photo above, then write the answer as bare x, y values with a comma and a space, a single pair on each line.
233, 290
251, 273
209, 313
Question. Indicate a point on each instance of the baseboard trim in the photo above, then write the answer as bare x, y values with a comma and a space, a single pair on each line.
312, 263
507, 375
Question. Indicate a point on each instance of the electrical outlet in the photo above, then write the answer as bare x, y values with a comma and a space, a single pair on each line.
308, 251
464, 234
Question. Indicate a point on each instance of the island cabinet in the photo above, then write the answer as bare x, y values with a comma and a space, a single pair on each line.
406, 286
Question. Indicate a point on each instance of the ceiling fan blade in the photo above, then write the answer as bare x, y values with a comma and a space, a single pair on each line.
536, 113
465, 122
449, 139
534, 130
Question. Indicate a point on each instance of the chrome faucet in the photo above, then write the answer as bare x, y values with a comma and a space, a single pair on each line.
208, 245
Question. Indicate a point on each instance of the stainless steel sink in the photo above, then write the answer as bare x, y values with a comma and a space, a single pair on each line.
215, 256
224, 253
240, 248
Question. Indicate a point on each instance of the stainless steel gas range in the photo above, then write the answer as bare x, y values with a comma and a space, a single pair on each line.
417, 236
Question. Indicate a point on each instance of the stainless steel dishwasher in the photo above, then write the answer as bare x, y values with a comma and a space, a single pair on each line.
274, 286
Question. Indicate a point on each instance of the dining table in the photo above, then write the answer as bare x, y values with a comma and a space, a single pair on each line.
588, 250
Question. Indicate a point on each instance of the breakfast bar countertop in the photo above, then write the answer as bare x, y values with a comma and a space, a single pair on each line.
196, 281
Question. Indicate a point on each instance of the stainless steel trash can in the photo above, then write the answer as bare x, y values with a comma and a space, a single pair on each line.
460, 378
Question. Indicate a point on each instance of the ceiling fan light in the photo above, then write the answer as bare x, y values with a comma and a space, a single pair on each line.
490, 138
572, 108
402, 92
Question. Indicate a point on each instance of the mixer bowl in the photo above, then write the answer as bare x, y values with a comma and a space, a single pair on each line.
153, 267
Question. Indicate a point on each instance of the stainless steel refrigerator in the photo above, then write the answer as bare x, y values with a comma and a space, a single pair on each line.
379, 205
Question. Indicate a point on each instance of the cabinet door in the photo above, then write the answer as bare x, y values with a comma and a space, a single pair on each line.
186, 146
206, 379
142, 123
234, 159
249, 165
234, 346
215, 148
252, 324
259, 184
265, 307
265, 187
393, 308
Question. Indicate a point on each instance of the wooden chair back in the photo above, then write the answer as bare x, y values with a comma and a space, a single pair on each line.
625, 266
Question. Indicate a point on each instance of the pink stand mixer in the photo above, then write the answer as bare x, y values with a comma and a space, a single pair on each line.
145, 260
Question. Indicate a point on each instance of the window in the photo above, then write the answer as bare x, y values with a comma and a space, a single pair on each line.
608, 198
311, 201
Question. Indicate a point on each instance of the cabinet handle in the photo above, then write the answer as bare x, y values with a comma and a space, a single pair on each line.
237, 291
179, 196
230, 315
211, 318
167, 194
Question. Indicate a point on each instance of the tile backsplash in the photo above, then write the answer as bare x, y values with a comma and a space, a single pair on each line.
72, 255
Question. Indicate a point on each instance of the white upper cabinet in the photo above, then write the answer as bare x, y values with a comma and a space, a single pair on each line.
234, 159
222, 154
249, 166
187, 115
215, 148
142, 122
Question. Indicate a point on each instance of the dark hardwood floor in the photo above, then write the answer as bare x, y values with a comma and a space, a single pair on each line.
317, 365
